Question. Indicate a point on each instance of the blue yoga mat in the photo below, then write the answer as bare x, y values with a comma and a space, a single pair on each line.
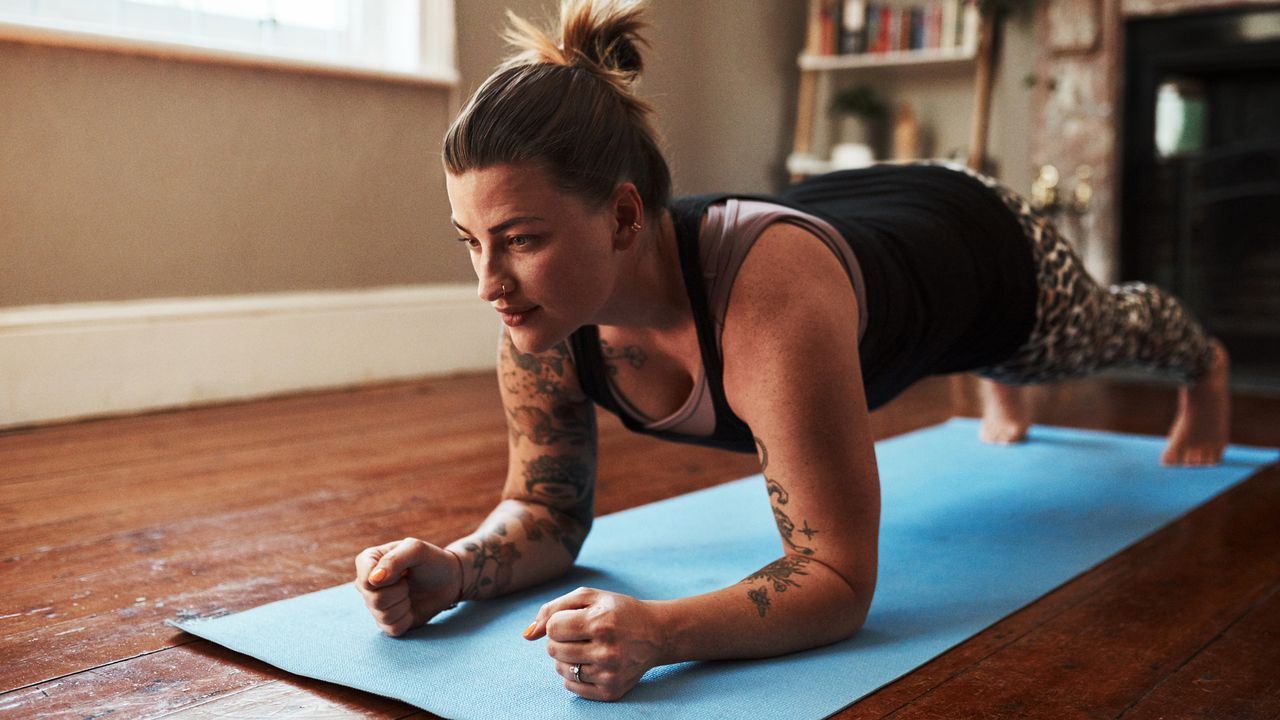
970, 533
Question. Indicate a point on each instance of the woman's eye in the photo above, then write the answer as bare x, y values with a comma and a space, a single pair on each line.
520, 241
469, 242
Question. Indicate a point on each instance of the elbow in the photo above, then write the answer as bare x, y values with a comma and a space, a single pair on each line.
566, 526
577, 536
856, 590
852, 614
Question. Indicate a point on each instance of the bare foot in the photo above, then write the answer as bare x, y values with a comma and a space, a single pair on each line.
1199, 433
1006, 415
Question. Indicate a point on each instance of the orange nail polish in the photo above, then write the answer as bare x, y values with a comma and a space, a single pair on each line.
529, 630
378, 575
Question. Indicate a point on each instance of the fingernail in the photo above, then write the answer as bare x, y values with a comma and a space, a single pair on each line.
378, 575
528, 632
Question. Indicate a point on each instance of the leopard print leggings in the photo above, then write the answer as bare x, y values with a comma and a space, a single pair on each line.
1082, 327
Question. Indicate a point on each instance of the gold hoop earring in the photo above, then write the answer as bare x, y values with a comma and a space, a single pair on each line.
504, 289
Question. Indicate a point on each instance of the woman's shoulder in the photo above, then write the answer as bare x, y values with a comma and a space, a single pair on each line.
777, 240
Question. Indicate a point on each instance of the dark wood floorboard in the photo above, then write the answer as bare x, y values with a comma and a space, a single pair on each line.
109, 527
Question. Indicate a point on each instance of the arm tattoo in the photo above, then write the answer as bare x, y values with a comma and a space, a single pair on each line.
566, 423
560, 527
550, 363
781, 574
564, 484
538, 379
534, 374
778, 497
633, 354
494, 560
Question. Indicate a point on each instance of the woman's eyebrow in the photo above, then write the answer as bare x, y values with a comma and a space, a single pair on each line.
500, 226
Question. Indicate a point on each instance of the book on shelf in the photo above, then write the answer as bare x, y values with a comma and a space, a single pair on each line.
855, 27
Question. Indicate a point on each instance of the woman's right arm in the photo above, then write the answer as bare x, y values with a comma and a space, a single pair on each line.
547, 505
534, 533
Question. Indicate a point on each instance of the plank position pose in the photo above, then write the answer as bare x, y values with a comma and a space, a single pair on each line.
767, 325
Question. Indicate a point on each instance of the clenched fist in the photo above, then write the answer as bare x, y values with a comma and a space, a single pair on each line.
407, 582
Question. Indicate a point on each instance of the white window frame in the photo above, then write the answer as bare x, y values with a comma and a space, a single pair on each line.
407, 40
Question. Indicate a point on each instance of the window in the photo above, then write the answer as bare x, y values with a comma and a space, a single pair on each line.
404, 37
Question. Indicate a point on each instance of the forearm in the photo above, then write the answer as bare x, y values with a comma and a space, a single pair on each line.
519, 544
794, 603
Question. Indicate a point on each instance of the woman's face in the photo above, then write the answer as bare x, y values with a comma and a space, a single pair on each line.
554, 254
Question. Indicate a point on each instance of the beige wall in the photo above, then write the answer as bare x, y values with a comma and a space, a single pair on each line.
127, 177
721, 75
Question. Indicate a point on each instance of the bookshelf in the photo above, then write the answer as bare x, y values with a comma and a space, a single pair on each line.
856, 36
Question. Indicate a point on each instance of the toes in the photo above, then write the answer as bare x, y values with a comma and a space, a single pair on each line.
1001, 434
1195, 456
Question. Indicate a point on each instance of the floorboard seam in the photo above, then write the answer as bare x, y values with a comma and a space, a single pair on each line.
1262, 598
212, 698
37, 683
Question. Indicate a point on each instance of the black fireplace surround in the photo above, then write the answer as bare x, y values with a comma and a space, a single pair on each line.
1200, 202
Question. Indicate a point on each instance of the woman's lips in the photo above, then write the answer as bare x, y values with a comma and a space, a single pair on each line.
512, 317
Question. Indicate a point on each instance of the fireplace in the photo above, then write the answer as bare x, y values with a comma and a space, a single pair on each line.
1200, 195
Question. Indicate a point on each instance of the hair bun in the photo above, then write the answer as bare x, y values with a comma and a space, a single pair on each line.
601, 35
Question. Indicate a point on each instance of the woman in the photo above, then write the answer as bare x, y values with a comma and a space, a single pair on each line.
766, 325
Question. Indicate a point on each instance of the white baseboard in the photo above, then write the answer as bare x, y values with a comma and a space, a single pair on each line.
62, 362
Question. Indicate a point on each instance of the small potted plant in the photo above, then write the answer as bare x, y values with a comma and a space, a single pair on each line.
858, 109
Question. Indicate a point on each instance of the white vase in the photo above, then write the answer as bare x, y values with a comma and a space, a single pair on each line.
851, 156
853, 147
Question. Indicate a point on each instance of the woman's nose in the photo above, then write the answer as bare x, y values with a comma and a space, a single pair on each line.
492, 282
491, 289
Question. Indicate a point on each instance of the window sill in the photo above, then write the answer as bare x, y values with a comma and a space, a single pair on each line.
15, 32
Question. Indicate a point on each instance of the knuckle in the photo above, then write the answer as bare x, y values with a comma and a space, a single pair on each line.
603, 629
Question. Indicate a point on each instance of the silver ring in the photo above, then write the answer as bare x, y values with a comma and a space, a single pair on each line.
577, 673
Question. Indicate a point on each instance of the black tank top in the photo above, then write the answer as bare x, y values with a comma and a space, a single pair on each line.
947, 271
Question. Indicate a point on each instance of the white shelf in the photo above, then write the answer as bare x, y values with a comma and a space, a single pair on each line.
804, 164
902, 58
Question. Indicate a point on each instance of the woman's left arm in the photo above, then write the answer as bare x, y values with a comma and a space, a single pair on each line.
791, 371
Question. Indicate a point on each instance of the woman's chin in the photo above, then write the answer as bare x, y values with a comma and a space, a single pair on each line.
528, 340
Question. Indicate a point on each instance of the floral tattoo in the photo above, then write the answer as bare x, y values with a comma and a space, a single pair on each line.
547, 416
781, 574
779, 497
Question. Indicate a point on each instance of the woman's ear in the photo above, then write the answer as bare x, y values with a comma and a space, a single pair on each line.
628, 213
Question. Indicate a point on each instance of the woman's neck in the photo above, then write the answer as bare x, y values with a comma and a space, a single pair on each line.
649, 294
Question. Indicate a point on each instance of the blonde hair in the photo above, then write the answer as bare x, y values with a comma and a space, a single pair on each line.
565, 101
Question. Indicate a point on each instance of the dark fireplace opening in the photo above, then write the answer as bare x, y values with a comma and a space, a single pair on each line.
1200, 203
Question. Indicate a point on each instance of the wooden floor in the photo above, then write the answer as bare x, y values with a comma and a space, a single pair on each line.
108, 528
